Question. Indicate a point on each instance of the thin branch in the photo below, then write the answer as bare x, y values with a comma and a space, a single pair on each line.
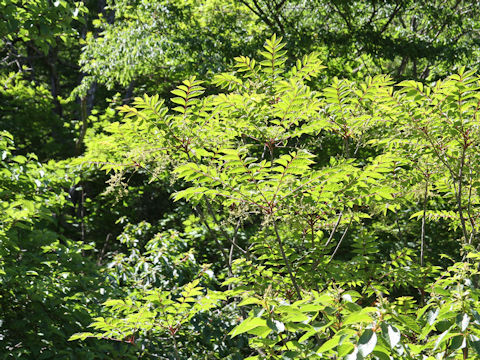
175, 347
341, 239
460, 178
259, 12
334, 229
469, 209
104, 248
459, 196
287, 263
234, 240
422, 238
343, 16
392, 16
222, 230
219, 245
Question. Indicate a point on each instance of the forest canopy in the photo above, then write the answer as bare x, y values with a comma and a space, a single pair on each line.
239, 179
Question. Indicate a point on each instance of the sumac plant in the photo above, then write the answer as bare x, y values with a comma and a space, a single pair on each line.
328, 208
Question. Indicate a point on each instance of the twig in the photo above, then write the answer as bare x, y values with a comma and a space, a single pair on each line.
234, 239
334, 228
219, 245
287, 263
341, 239
225, 235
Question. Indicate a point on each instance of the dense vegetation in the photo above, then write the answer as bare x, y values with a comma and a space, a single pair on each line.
239, 179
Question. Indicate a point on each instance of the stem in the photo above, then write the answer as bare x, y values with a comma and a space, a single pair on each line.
312, 228
225, 235
400, 237
460, 173
332, 233
469, 210
222, 230
459, 196
422, 239
83, 128
175, 346
287, 263
341, 239
219, 245
334, 228
346, 147
234, 239
82, 214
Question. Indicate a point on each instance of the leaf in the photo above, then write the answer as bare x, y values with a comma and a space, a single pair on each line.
249, 301
276, 325
381, 355
345, 349
180, 93
391, 334
307, 336
80, 336
457, 342
290, 355
260, 331
292, 314
474, 342
179, 100
357, 317
246, 325
20, 159
476, 316
329, 344
311, 308
442, 338
351, 296
432, 315
367, 342
355, 355
462, 321
409, 323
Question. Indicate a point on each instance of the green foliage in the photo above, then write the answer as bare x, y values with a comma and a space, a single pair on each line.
163, 315
41, 22
19, 100
167, 306
406, 39
282, 209
49, 288
312, 275
152, 41
336, 322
